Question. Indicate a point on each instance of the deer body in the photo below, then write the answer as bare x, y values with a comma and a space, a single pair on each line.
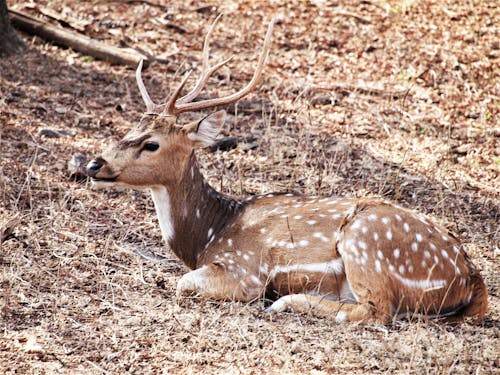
343, 258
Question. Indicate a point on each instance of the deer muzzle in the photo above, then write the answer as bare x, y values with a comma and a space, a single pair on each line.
99, 170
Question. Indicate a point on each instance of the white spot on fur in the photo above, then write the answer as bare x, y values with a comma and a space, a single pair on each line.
356, 225
444, 253
396, 253
303, 243
380, 255
321, 236
263, 230
414, 246
311, 222
427, 254
388, 234
372, 217
406, 227
255, 280
230, 242
385, 220
378, 266
364, 230
210, 232
398, 217
297, 217
419, 237
375, 236
198, 214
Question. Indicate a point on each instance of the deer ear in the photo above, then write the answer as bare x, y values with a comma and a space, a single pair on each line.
207, 130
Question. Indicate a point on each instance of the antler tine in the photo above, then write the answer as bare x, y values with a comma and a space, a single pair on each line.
202, 81
187, 107
206, 70
151, 107
170, 108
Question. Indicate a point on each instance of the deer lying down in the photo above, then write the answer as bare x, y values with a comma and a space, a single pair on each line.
342, 258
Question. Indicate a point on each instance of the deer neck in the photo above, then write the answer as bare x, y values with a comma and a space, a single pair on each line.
192, 214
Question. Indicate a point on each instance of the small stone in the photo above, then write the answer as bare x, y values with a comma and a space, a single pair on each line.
54, 133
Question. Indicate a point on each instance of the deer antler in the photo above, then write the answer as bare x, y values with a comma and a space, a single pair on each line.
176, 106
206, 71
184, 104
151, 107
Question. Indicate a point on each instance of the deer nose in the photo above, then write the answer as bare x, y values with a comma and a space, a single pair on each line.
94, 166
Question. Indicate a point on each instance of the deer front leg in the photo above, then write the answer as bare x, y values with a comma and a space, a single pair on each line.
214, 281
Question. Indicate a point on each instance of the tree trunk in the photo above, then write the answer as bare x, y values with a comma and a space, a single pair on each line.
9, 41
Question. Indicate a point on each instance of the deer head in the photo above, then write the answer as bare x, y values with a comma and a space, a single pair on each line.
157, 150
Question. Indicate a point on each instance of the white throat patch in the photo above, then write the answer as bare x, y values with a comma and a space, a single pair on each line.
161, 200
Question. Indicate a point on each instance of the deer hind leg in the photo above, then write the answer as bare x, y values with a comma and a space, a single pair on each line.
325, 308
213, 281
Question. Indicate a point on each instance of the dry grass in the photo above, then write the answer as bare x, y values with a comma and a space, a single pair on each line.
401, 103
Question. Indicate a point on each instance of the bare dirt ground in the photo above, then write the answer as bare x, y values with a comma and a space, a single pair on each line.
360, 98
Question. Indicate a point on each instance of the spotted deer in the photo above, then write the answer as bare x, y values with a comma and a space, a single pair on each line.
348, 259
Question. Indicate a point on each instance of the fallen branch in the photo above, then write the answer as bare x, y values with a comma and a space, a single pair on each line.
76, 41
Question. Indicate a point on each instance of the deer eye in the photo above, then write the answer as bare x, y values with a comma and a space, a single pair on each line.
150, 146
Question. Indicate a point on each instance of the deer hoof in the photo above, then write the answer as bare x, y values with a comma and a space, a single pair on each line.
280, 305
191, 282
